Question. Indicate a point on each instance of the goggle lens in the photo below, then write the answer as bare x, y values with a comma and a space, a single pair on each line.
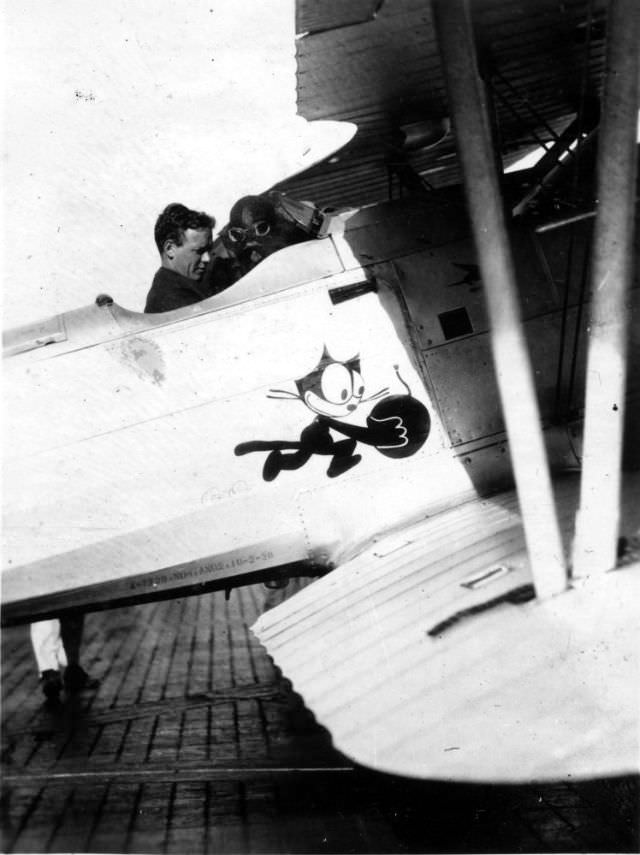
261, 228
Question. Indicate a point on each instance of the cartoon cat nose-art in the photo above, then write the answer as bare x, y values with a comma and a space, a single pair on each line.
397, 426
332, 389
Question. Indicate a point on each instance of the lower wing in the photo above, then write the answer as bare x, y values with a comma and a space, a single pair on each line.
427, 655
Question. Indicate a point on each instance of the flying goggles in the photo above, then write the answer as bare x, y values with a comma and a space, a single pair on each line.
259, 229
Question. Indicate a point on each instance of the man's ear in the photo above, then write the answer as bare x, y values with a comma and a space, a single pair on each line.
169, 248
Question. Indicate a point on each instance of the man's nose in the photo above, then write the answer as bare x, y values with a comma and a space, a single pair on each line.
206, 257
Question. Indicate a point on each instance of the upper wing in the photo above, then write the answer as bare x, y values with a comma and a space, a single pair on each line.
425, 656
378, 64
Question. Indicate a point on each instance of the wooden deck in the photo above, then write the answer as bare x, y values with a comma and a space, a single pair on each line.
194, 743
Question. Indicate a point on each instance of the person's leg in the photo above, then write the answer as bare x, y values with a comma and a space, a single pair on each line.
48, 649
71, 629
75, 677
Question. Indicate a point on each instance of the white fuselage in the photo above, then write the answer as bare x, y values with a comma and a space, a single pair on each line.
127, 472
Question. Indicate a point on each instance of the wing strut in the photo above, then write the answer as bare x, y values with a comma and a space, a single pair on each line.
597, 522
467, 100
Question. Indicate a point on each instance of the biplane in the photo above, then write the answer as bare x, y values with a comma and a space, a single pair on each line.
396, 405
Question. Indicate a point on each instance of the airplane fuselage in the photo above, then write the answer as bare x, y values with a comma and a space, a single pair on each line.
343, 388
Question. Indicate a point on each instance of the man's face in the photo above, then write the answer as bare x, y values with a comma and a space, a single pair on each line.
191, 257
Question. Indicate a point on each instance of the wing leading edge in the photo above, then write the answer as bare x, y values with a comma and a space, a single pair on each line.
426, 655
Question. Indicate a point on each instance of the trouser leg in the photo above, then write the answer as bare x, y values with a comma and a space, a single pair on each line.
71, 632
47, 643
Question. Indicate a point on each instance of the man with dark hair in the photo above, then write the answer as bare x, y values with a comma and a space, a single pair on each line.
184, 240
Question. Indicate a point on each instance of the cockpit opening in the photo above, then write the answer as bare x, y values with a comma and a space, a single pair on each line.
259, 226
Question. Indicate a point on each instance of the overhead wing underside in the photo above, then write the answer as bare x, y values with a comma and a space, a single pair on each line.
377, 63
425, 655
